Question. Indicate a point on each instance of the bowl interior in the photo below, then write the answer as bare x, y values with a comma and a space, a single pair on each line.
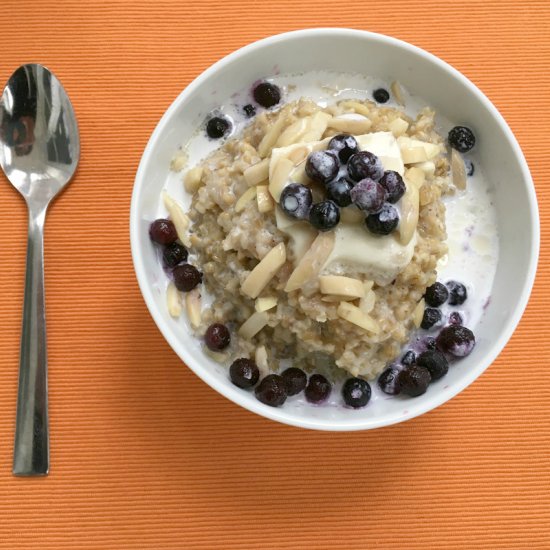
441, 87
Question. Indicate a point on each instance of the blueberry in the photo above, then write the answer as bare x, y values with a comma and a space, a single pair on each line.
339, 191
429, 342
457, 293
431, 317
365, 165
435, 362
296, 380
217, 337
394, 185
296, 201
455, 318
470, 168
461, 138
368, 195
249, 110
324, 215
356, 392
272, 390
322, 166
381, 95
174, 254
409, 358
186, 277
244, 373
414, 381
163, 231
217, 127
388, 381
436, 295
344, 145
456, 340
318, 389
267, 94
383, 222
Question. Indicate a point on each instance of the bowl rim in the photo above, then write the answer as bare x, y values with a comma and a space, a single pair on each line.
278, 414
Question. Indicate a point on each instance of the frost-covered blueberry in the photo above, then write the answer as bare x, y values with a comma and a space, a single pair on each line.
249, 110
324, 215
340, 191
436, 295
383, 222
435, 362
414, 381
456, 340
457, 293
296, 380
365, 165
455, 318
368, 195
272, 390
394, 185
322, 166
356, 392
432, 316
217, 127
344, 146
296, 201
470, 167
409, 358
266, 94
462, 139
318, 389
388, 381
244, 373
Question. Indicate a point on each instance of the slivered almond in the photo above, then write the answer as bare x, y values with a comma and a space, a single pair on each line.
317, 126
415, 176
354, 315
260, 276
298, 175
179, 161
397, 92
398, 127
293, 133
409, 214
350, 125
192, 179
298, 155
278, 177
311, 263
264, 199
173, 300
260, 357
265, 303
271, 137
193, 307
413, 155
256, 322
257, 173
341, 286
337, 298
418, 313
428, 167
458, 170
178, 217
245, 198
357, 107
366, 304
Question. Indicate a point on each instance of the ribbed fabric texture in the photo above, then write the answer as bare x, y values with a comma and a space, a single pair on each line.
143, 454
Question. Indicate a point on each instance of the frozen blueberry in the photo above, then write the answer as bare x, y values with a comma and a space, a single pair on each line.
455, 318
249, 110
432, 316
244, 373
340, 191
217, 337
296, 380
174, 254
368, 195
383, 222
435, 362
344, 145
436, 295
461, 138
324, 215
414, 381
322, 166
186, 277
409, 358
266, 94
470, 167
163, 231
429, 342
296, 201
388, 381
356, 392
457, 293
381, 95
456, 340
217, 127
365, 165
394, 185
272, 390
318, 389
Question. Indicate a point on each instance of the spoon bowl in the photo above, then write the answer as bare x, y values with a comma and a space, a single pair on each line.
39, 153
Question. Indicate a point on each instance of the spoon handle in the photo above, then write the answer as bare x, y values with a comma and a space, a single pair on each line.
31, 452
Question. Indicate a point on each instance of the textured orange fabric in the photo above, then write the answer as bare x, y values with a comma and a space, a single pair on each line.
143, 454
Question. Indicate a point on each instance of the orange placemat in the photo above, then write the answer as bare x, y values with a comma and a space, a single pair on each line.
144, 454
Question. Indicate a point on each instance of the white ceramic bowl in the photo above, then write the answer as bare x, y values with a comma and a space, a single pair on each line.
442, 87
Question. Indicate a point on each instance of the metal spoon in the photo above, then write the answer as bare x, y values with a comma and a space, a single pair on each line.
39, 152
